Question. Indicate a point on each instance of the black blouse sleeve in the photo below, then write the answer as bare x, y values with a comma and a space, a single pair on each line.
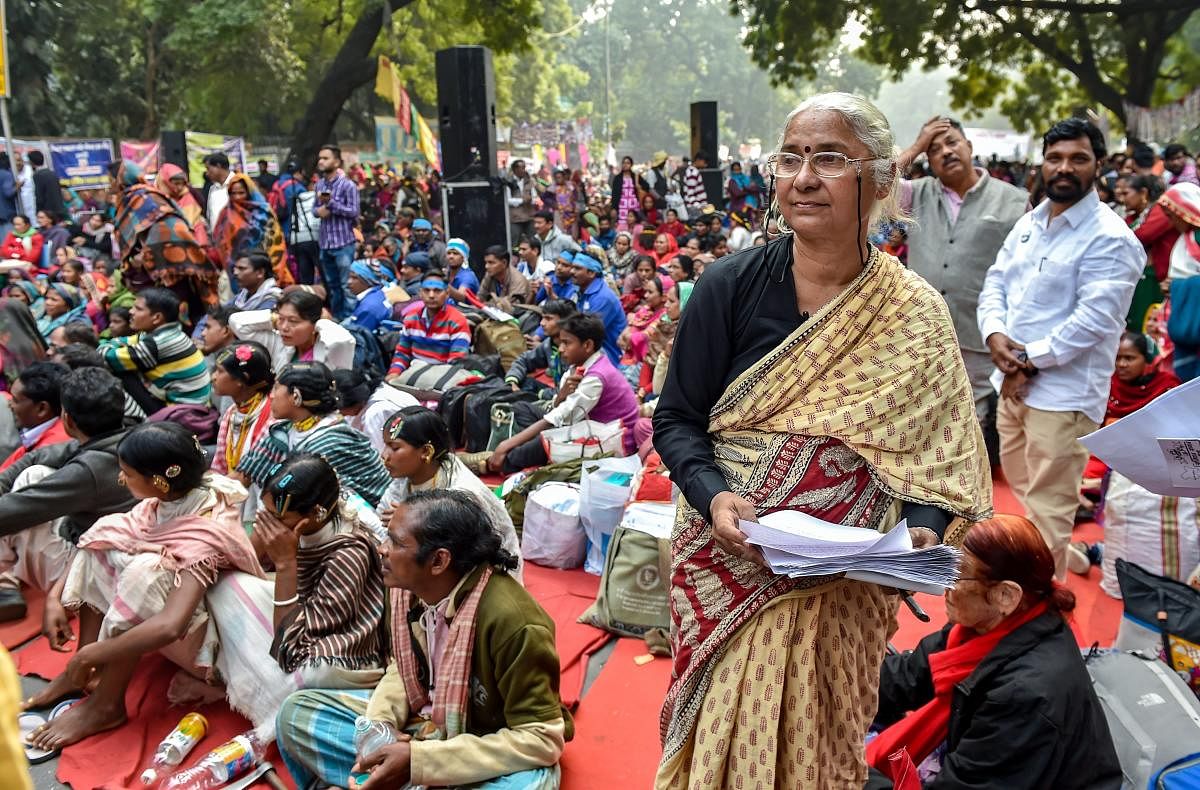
700, 359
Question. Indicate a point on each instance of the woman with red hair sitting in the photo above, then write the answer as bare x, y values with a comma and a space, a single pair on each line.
1000, 696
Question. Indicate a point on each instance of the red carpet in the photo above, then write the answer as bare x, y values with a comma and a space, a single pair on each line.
38, 659
616, 728
565, 595
18, 632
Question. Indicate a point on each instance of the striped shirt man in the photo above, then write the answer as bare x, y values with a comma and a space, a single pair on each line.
694, 194
166, 359
442, 338
337, 230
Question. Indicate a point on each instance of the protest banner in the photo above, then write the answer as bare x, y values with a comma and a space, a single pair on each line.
82, 164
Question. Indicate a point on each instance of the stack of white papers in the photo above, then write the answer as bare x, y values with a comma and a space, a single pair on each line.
797, 544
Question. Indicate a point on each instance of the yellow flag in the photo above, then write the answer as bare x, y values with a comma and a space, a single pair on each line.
385, 80
426, 141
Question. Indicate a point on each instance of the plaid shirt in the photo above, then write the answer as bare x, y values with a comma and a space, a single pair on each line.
337, 230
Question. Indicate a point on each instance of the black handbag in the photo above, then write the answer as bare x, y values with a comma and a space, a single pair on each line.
1169, 608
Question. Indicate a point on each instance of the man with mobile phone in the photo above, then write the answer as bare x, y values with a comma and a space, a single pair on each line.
337, 208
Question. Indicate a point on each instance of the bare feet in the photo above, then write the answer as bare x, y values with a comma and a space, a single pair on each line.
58, 689
78, 722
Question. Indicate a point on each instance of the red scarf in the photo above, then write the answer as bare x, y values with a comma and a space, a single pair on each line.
921, 731
1126, 398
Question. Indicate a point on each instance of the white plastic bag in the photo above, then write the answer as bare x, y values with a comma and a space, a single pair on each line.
587, 439
605, 485
1158, 533
552, 534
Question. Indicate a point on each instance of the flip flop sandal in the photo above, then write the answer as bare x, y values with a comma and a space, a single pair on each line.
29, 723
61, 707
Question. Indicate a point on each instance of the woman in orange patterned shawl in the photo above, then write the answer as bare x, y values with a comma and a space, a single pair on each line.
248, 223
813, 374
158, 246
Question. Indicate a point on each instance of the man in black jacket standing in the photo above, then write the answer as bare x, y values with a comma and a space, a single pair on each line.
53, 495
47, 191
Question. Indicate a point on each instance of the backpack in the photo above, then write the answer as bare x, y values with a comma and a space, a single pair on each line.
478, 415
500, 337
452, 406
367, 354
1153, 718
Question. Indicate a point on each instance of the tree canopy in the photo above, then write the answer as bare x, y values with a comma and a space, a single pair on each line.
1038, 58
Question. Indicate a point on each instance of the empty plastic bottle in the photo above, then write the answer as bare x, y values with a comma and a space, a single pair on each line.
176, 746
227, 761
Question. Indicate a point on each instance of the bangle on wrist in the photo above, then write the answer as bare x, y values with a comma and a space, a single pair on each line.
287, 601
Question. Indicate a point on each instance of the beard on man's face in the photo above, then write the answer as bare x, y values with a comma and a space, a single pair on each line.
1067, 188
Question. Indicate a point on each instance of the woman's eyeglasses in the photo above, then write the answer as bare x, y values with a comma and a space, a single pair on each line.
826, 164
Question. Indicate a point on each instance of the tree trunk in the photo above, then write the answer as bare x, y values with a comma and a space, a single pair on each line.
352, 68
150, 125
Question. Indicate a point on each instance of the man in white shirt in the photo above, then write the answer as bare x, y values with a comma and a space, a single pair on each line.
1052, 310
216, 167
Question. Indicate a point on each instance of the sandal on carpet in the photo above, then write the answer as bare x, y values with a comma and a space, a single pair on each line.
29, 724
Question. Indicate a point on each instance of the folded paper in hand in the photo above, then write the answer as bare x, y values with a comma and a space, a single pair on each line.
797, 544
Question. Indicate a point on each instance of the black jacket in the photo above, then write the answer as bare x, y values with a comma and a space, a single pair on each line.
1027, 717
47, 193
83, 489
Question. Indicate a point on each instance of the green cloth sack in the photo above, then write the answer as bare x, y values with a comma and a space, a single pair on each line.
634, 586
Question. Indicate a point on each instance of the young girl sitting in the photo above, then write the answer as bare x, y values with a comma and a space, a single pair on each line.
305, 401
242, 373
139, 578
328, 593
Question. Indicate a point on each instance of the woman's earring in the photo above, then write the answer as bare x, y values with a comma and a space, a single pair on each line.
160, 482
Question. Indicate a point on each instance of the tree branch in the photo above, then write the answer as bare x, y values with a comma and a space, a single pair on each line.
1117, 9
352, 68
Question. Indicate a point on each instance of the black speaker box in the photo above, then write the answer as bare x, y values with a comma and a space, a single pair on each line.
477, 213
704, 130
466, 90
173, 149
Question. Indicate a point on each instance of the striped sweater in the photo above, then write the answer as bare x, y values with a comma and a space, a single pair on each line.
359, 468
340, 618
167, 360
444, 338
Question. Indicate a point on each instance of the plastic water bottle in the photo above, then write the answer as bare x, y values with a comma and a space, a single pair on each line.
176, 746
227, 761
369, 736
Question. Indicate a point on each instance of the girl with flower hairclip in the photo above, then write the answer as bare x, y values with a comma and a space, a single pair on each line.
140, 578
243, 373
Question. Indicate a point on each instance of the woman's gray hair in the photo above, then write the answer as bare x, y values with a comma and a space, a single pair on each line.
872, 129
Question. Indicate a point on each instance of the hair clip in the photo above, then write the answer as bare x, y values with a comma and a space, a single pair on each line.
283, 483
160, 482
396, 429
244, 354
173, 471
196, 444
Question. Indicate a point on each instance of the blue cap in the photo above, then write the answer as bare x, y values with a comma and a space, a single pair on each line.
422, 224
417, 259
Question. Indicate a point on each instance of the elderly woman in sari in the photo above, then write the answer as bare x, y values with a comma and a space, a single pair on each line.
248, 223
814, 374
158, 246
